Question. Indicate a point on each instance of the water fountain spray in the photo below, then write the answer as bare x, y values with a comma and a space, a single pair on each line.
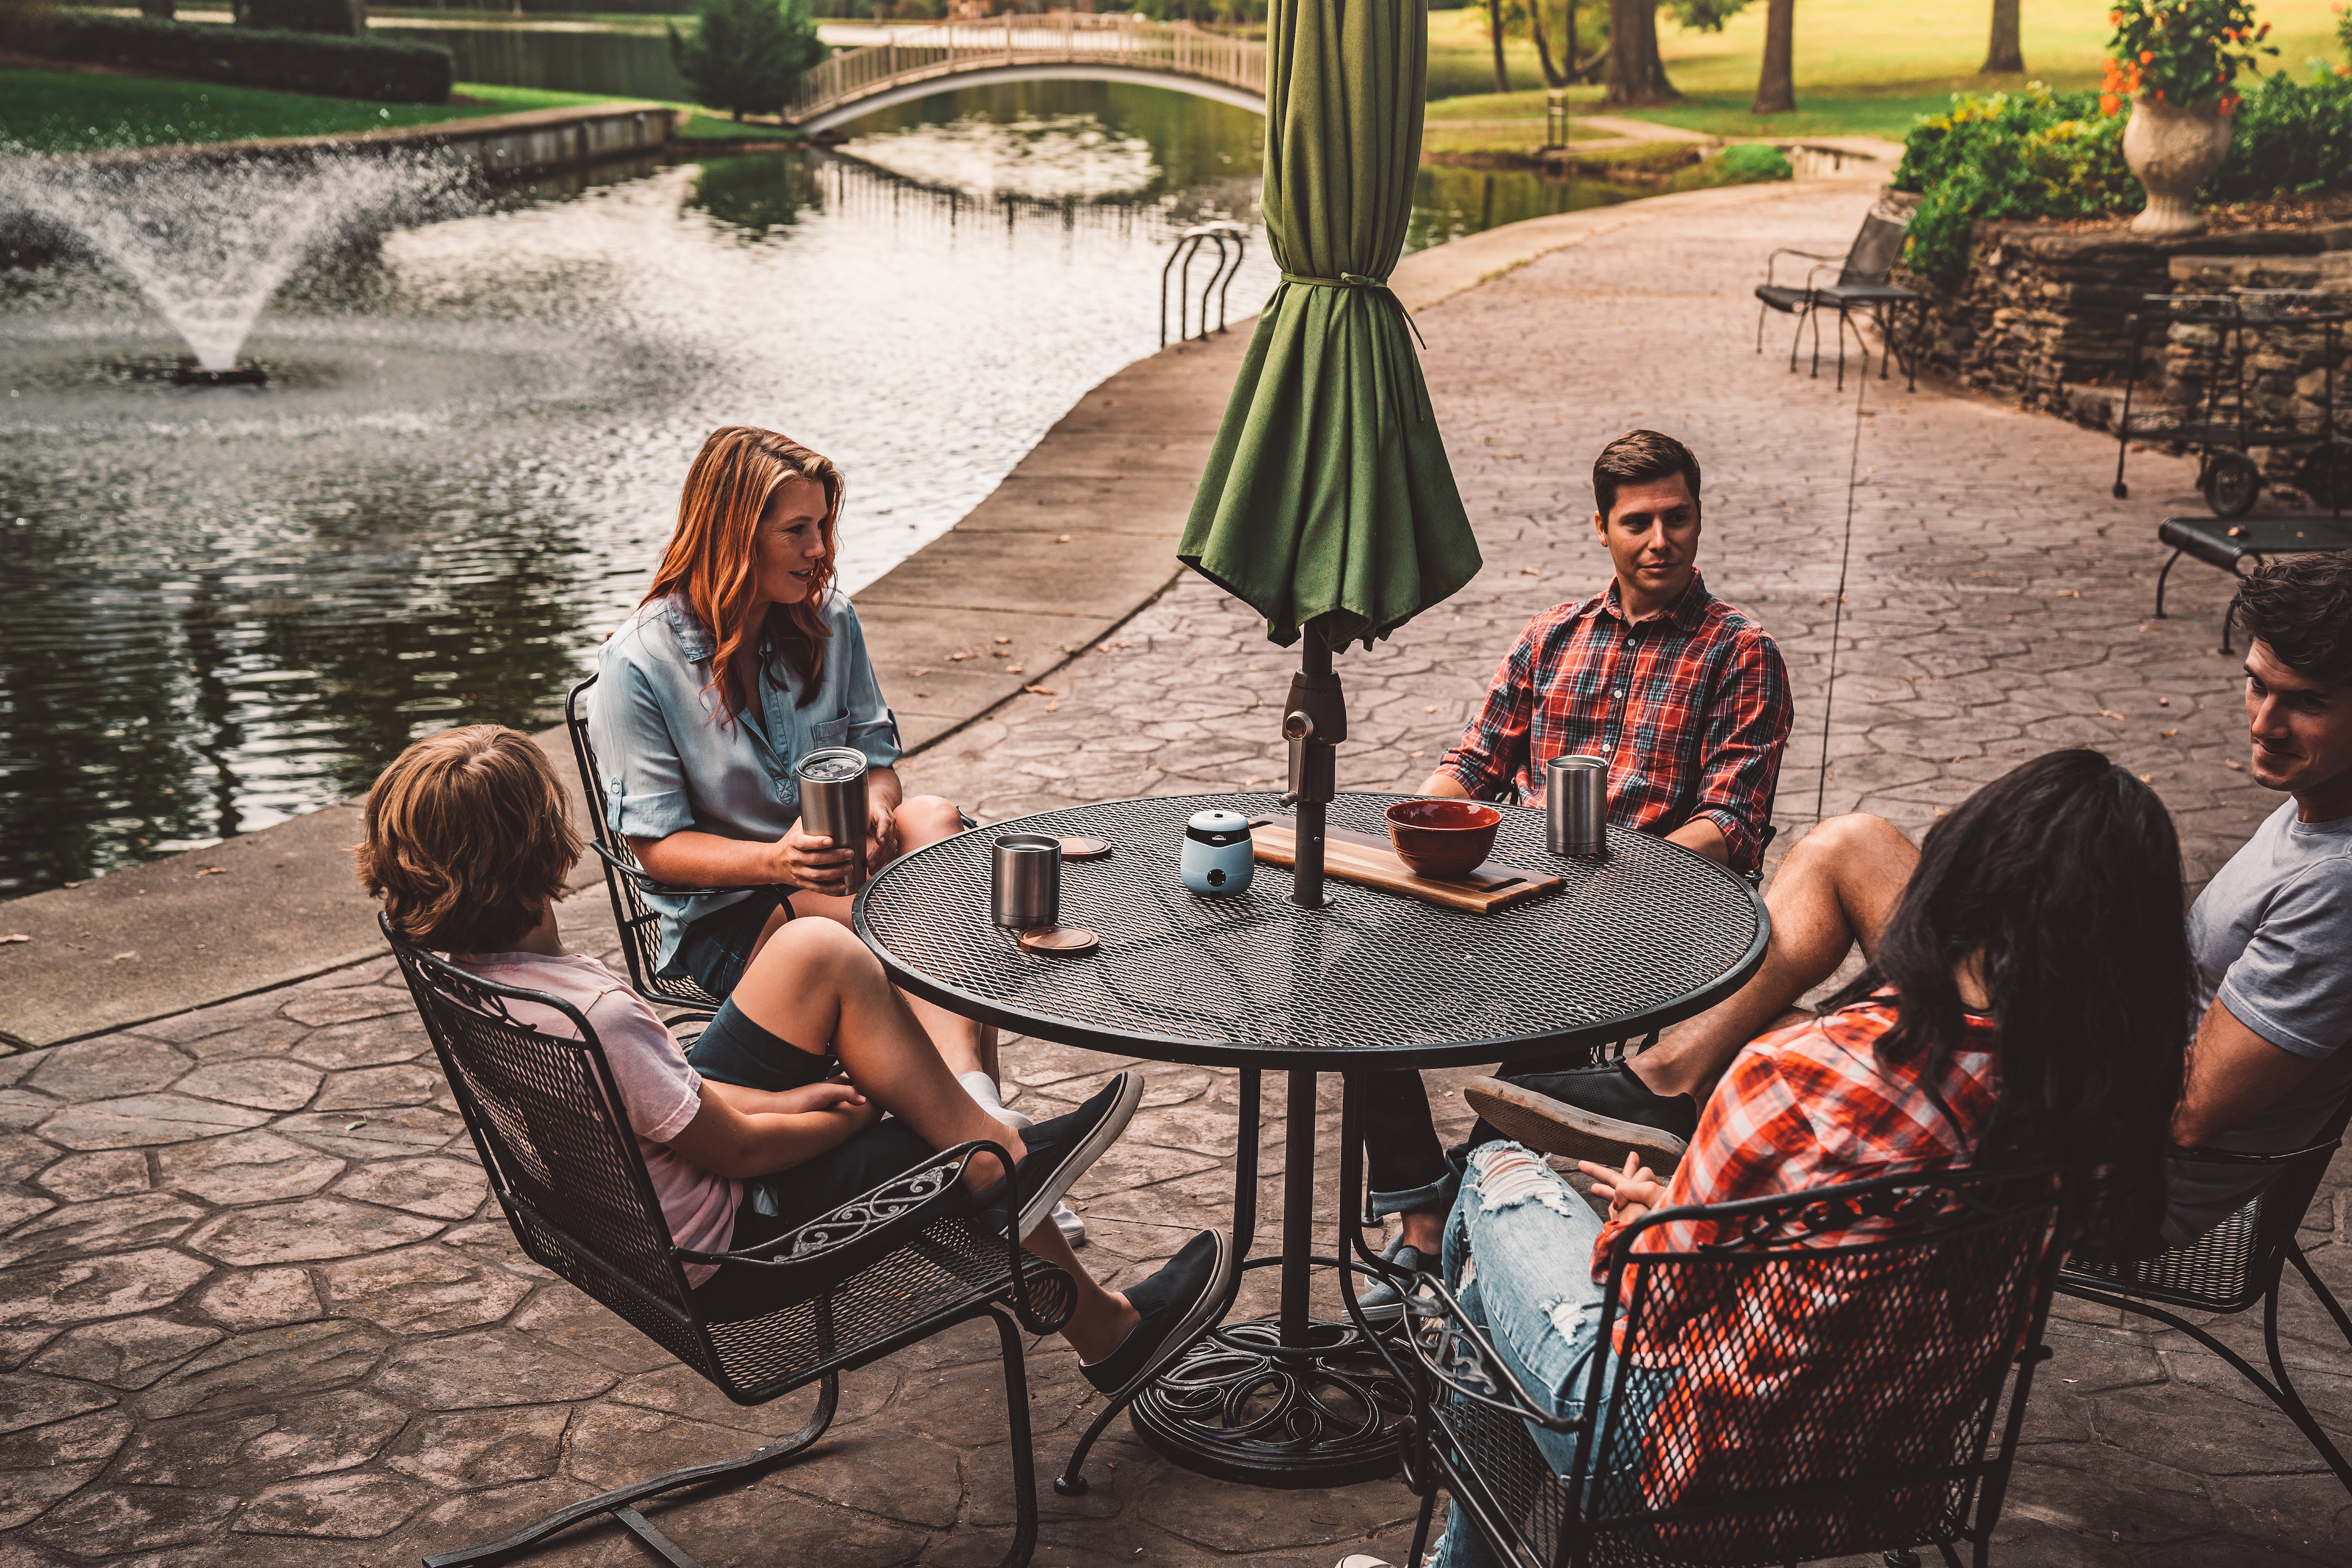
209, 240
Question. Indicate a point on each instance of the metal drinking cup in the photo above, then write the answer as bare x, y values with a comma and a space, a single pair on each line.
1025, 881
1576, 806
833, 802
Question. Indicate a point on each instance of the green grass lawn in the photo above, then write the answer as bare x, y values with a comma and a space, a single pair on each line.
73, 111
1864, 68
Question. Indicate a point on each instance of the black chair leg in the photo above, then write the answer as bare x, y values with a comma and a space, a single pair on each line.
2289, 1402
1025, 1461
2327, 1297
1421, 1529
2160, 584
620, 1502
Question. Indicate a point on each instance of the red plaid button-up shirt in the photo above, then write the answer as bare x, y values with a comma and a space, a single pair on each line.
1691, 708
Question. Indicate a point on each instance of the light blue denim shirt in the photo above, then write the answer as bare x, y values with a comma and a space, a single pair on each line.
670, 761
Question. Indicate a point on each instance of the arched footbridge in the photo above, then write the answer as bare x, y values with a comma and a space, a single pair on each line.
920, 61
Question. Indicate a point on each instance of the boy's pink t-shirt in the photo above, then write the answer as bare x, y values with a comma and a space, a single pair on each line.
659, 1089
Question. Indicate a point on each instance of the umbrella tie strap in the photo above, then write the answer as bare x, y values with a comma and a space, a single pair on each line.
1358, 280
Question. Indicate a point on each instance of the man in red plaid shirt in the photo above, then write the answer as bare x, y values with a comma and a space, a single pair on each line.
1685, 696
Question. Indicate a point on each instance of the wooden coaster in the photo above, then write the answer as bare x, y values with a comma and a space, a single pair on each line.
1085, 849
1059, 941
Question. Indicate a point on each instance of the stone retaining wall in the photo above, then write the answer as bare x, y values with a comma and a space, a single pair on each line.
2042, 314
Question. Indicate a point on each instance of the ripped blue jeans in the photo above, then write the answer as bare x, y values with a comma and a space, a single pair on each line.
1533, 1293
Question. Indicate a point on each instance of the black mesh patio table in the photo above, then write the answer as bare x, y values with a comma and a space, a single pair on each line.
1632, 942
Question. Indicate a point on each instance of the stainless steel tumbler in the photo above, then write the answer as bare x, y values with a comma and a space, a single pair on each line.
1576, 806
1025, 882
833, 802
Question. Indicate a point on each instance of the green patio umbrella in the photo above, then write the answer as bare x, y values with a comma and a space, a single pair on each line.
1327, 504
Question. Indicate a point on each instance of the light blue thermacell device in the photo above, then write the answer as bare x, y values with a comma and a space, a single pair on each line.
1216, 858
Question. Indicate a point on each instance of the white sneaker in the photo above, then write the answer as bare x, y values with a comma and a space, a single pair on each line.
1360, 1561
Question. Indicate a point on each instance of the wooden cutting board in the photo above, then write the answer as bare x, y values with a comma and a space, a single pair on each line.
1372, 862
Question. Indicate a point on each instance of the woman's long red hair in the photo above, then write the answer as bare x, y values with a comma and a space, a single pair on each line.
710, 559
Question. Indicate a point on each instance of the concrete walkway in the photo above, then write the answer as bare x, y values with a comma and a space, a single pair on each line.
253, 1309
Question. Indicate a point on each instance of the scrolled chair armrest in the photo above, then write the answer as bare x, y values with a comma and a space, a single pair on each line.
813, 1257
644, 881
1458, 1355
1771, 260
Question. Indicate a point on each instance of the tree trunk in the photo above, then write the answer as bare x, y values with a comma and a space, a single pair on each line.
1552, 77
2004, 53
1775, 88
1636, 76
1495, 28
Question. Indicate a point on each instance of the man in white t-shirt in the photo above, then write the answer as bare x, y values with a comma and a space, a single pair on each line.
468, 843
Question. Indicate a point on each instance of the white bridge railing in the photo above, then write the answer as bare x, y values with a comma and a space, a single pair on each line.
949, 49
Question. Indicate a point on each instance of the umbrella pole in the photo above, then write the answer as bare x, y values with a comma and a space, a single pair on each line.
1314, 721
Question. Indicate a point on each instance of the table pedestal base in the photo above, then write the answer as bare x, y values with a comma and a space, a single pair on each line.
1241, 1407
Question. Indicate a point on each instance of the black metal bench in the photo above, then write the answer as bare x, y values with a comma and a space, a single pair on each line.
896, 1266
2235, 546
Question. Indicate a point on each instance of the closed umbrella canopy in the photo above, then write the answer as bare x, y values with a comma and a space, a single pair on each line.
1328, 500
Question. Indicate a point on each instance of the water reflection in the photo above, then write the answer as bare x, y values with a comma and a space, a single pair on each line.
234, 605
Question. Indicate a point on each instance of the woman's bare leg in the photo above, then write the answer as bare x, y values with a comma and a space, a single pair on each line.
1839, 885
965, 1045
813, 982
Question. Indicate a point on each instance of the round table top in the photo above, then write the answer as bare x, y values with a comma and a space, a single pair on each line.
1647, 936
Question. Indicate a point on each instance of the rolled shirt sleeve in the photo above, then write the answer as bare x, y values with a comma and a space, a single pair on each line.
1493, 747
1747, 723
642, 778
873, 728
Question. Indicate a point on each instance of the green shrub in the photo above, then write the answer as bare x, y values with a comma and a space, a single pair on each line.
373, 68
2290, 136
1754, 162
747, 56
2028, 154
336, 16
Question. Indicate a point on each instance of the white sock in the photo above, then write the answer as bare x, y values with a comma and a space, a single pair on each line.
983, 1089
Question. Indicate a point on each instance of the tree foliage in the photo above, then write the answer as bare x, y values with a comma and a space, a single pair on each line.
747, 56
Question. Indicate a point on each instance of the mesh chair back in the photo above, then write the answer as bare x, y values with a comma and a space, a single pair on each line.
538, 1096
639, 922
2231, 1267
1875, 251
1819, 1374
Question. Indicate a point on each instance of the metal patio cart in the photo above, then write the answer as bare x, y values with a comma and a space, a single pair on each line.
2222, 426
890, 1269
1366, 981
2236, 1263
1823, 1378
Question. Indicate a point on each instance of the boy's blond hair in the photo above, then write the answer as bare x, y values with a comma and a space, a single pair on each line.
468, 838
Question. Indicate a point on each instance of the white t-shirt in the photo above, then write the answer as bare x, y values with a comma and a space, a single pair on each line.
660, 1090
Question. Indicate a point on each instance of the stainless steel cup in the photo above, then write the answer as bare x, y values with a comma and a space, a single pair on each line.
833, 802
1025, 881
1576, 806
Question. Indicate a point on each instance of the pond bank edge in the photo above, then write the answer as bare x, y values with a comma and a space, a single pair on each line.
1046, 559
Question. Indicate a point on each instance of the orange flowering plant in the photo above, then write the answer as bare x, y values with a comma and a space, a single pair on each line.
2181, 52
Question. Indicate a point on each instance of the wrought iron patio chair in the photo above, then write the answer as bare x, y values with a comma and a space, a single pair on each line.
1861, 284
1833, 1399
2239, 1262
896, 1266
628, 883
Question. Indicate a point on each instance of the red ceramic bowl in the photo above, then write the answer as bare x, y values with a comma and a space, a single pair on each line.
1442, 838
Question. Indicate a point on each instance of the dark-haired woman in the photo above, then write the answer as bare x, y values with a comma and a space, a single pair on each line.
2026, 999
741, 659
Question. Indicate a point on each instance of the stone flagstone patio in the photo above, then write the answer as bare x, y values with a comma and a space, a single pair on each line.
254, 1307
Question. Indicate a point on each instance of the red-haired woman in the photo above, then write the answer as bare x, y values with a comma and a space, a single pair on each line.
741, 659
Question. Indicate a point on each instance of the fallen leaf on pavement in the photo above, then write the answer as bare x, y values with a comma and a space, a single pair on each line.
355, 1127
1053, 708
2109, 713
1429, 710
1061, 538
2170, 734
2235, 766
1041, 691
1531, 571
1015, 670
2068, 593
919, 674
213, 870
1001, 641
14, 936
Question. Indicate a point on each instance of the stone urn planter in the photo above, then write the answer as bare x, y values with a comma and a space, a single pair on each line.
2173, 151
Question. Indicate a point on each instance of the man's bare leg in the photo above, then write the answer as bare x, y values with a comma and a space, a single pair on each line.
1839, 885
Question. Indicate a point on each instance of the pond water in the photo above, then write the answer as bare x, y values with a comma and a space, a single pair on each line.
233, 605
